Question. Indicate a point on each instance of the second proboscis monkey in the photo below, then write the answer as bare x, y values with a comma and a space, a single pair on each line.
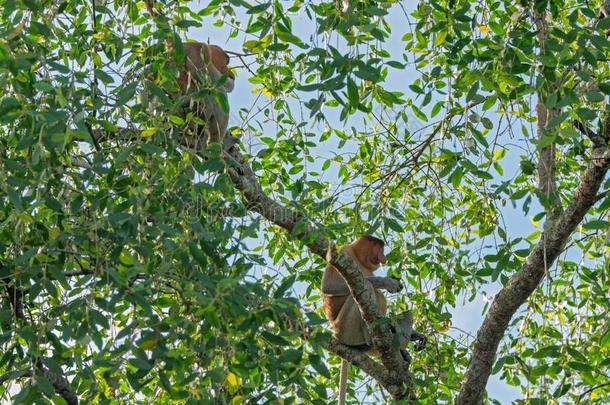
205, 67
208, 65
342, 310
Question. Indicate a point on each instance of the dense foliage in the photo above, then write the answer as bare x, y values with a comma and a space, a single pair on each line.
132, 267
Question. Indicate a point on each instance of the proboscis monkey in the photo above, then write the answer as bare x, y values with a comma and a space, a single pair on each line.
342, 310
207, 64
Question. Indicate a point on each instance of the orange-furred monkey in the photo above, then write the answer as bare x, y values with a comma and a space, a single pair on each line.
342, 310
205, 63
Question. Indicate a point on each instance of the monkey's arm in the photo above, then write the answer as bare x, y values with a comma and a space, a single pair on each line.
385, 283
334, 284
337, 286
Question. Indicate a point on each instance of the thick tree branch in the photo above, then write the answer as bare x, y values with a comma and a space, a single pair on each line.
554, 238
60, 383
523, 283
15, 375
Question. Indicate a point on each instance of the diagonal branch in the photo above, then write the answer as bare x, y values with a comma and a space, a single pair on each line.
58, 380
596, 139
523, 283
60, 383
15, 375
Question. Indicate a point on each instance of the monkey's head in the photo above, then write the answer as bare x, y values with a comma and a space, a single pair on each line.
219, 58
369, 251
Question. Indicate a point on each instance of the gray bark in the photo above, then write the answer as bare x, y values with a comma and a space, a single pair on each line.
557, 231
523, 283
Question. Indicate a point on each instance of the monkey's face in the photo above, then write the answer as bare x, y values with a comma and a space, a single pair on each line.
220, 60
377, 256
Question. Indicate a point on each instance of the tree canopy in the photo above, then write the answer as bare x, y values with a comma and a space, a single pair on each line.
472, 136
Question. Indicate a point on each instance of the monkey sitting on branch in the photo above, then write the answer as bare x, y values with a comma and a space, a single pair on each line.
343, 313
206, 67
204, 80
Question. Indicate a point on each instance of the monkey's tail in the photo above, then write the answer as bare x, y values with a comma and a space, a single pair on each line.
343, 381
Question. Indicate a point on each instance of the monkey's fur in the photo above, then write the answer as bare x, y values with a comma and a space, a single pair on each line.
339, 305
206, 64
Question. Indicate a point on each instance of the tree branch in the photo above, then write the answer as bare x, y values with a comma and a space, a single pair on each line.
590, 390
366, 364
547, 184
523, 283
15, 296
255, 200
61, 385
602, 195
15, 375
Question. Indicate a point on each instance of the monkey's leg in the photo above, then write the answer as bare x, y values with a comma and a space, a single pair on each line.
405, 322
349, 327
214, 134
404, 332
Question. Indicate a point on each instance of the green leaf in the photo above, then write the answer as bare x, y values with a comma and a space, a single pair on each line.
126, 94
479, 138
575, 365
546, 141
586, 114
596, 224
43, 86
319, 365
275, 339
440, 38
45, 385
419, 114
103, 76
352, 93
15, 199
140, 363
223, 101
595, 97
